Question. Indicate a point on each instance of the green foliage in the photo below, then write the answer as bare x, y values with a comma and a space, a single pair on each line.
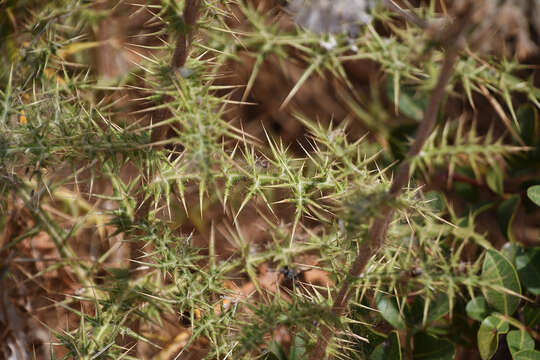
534, 194
429, 347
390, 312
296, 352
488, 335
494, 309
477, 308
506, 213
526, 355
505, 289
519, 340
528, 267
389, 349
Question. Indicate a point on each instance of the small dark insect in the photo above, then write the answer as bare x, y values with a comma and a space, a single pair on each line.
291, 274
415, 271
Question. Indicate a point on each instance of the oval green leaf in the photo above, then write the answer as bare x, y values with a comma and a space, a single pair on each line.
275, 352
519, 340
298, 349
531, 315
502, 283
534, 194
390, 349
409, 102
495, 180
427, 347
510, 250
390, 312
488, 335
528, 268
527, 116
477, 308
435, 200
527, 355
438, 308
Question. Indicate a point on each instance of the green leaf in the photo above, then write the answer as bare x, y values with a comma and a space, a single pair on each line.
527, 355
488, 335
534, 194
531, 315
528, 268
435, 199
506, 212
390, 349
527, 116
510, 250
429, 347
477, 308
466, 191
438, 308
389, 310
410, 103
275, 351
298, 349
495, 180
519, 340
501, 275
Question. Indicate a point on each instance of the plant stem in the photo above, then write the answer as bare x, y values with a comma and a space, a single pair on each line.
183, 43
179, 58
56, 234
379, 227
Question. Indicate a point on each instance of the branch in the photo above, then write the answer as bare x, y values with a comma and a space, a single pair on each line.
379, 227
183, 43
180, 55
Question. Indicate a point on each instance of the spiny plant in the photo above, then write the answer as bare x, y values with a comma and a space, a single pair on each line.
185, 235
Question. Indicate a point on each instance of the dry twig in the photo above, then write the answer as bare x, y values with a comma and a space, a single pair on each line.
379, 227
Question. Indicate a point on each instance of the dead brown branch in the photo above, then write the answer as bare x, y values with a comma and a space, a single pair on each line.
380, 225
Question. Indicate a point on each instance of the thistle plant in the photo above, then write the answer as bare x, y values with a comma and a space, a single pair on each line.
174, 203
